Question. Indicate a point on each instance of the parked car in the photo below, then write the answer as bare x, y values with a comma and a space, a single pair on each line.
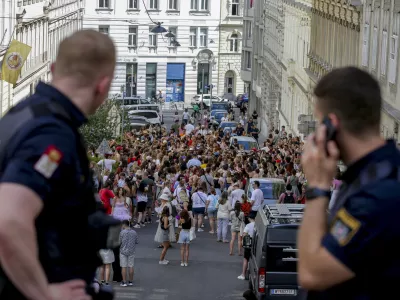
218, 114
248, 142
240, 99
152, 116
207, 99
229, 124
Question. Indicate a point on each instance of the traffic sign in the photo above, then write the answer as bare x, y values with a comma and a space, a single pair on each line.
104, 148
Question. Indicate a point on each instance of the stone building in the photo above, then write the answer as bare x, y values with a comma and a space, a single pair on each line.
295, 81
335, 36
380, 55
247, 48
230, 48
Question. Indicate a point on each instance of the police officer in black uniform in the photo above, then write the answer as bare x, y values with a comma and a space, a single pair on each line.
48, 249
350, 253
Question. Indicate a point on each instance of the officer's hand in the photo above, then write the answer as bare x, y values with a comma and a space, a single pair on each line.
319, 167
69, 290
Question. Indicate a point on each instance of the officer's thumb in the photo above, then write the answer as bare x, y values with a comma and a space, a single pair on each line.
75, 284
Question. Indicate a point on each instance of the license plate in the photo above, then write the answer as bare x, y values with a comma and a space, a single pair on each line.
283, 292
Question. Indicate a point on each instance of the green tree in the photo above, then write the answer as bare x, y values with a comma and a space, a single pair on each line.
104, 124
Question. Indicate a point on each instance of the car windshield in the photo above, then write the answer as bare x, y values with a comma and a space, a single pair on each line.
215, 112
228, 124
219, 115
220, 105
146, 114
248, 145
271, 190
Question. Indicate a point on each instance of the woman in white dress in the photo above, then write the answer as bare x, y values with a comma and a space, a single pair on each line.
158, 238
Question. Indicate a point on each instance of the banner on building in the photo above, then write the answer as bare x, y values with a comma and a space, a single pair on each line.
13, 61
251, 3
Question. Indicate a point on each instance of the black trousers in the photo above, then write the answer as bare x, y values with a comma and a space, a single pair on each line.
117, 276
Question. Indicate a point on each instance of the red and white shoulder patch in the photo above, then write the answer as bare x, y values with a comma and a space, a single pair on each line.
49, 161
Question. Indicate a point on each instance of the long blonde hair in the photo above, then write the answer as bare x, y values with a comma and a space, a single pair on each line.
224, 198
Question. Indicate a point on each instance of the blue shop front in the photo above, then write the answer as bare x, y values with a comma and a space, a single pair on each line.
175, 91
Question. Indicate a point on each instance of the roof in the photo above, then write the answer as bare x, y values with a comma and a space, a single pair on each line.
244, 138
273, 180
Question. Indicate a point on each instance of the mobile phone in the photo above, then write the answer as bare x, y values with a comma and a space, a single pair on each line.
330, 131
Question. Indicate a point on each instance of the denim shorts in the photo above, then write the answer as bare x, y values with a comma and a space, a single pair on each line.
212, 213
184, 237
199, 211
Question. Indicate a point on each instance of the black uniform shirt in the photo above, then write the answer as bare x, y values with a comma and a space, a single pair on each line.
365, 233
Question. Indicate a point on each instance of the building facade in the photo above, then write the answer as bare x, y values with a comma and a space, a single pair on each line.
230, 49
335, 36
29, 21
380, 56
295, 81
149, 62
247, 48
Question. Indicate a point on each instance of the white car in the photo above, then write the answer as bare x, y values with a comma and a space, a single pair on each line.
248, 142
152, 116
207, 98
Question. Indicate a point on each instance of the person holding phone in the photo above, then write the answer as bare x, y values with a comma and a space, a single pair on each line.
347, 253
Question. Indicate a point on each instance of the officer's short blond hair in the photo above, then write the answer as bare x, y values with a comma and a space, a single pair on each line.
85, 56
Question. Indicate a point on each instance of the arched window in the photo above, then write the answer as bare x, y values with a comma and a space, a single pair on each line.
234, 43
229, 82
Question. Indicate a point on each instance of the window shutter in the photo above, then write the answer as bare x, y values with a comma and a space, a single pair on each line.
365, 46
393, 59
384, 52
374, 47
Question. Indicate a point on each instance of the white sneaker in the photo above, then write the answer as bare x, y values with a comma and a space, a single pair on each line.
200, 230
137, 226
163, 262
186, 264
182, 264
123, 284
241, 277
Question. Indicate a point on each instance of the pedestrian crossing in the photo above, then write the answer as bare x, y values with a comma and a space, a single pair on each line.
136, 293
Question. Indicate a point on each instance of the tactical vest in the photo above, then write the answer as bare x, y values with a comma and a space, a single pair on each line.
55, 259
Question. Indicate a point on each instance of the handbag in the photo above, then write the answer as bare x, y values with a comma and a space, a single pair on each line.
192, 234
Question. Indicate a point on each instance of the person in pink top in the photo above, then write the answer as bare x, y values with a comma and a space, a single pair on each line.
336, 183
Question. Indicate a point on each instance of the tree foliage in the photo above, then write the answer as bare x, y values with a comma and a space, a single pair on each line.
104, 124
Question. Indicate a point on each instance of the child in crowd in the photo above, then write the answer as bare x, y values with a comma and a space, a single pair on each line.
128, 238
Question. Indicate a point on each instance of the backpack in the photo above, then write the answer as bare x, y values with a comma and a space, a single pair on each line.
183, 195
289, 199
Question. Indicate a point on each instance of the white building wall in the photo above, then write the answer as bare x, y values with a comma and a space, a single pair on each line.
379, 54
65, 17
295, 80
119, 17
230, 48
247, 49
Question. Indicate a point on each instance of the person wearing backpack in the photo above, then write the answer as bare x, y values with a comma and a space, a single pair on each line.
288, 197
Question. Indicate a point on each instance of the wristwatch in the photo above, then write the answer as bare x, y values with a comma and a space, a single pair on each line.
313, 193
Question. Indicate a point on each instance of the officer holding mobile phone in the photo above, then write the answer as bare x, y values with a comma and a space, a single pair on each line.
346, 254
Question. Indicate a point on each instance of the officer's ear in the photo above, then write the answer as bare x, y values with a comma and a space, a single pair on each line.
103, 85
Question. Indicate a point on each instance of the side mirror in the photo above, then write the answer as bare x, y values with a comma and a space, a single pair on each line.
162, 123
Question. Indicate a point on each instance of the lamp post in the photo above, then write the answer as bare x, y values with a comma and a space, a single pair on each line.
123, 110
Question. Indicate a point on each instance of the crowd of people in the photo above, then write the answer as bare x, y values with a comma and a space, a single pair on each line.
191, 180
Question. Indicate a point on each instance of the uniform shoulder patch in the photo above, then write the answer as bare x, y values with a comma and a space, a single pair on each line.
344, 227
49, 161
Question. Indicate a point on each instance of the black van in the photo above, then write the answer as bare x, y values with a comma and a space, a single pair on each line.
272, 270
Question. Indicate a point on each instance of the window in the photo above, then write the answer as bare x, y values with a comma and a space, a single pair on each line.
132, 36
203, 5
173, 4
394, 46
174, 31
234, 43
384, 52
248, 60
152, 38
249, 30
235, 8
104, 3
193, 4
365, 51
153, 4
151, 80
374, 48
131, 75
133, 4
203, 37
193, 37
104, 29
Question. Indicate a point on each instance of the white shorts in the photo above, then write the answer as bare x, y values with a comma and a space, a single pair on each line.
126, 261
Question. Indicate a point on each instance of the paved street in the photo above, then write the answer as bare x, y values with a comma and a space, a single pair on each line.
211, 274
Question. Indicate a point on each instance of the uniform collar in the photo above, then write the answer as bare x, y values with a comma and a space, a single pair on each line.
44, 89
386, 151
